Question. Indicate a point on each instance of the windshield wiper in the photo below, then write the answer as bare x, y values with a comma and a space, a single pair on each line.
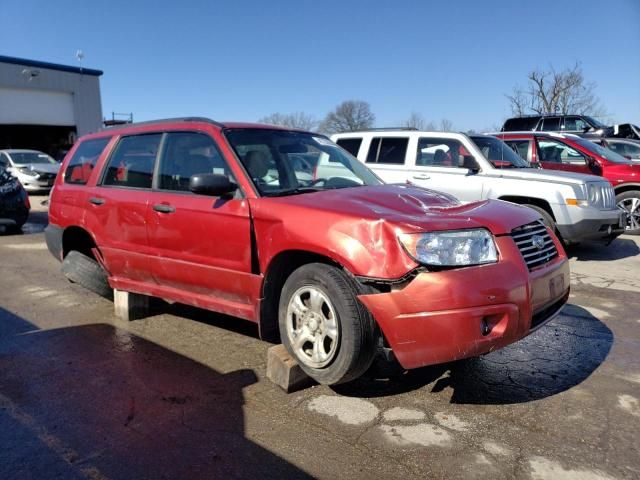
292, 191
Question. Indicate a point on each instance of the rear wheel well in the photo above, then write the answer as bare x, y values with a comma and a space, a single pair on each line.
538, 202
76, 238
282, 265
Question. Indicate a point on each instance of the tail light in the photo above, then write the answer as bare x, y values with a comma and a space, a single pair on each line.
27, 202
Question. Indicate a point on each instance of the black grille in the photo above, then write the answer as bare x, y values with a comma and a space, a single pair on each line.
537, 254
47, 176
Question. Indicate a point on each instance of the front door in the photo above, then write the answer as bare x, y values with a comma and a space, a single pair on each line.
201, 244
555, 155
446, 165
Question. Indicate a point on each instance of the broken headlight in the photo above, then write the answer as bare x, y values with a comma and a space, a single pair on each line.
451, 248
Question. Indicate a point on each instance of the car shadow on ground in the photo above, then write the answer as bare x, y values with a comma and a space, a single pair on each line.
36, 223
559, 356
97, 401
619, 249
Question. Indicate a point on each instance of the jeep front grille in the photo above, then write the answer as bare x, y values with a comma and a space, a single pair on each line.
536, 253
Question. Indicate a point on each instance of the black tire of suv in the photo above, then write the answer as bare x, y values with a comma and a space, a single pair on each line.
357, 328
547, 219
86, 272
625, 196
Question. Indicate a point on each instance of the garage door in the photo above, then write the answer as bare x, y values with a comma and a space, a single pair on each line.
36, 107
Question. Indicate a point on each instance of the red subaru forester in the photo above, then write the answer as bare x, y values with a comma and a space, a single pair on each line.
231, 218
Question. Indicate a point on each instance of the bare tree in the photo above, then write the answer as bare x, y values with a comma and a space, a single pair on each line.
416, 121
292, 120
552, 91
446, 125
349, 116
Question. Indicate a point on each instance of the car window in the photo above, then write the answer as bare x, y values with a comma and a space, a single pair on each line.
283, 162
351, 145
521, 147
131, 164
387, 150
84, 160
186, 154
557, 152
550, 124
443, 152
4, 160
575, 124
520, 124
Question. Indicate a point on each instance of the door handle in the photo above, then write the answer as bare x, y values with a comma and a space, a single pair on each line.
164, 208
421, 176
97, 200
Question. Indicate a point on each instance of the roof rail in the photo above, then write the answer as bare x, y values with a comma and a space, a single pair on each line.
169, 120
384, 129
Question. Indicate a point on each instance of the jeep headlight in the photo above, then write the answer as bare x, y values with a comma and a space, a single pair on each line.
451, 248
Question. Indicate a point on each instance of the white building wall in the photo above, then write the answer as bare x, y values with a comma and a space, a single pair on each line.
45, 83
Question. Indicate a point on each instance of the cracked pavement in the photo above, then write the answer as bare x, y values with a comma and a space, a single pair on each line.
183, 393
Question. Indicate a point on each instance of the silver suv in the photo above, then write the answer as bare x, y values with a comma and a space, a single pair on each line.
578, 206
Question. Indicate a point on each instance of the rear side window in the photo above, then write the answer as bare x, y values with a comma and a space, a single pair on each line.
186, 154
84, 160
550, 124
131, 164
351, 145
520, 124
387, 150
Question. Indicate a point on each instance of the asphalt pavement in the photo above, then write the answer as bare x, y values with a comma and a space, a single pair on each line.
182, 394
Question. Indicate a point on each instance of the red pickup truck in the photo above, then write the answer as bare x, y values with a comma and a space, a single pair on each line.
227, 217
557, 151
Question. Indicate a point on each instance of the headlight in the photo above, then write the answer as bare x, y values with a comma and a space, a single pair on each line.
451, 248
28, 171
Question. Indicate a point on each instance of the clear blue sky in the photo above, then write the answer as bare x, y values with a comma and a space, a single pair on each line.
241, 60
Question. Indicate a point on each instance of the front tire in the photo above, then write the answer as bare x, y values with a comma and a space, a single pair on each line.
630, 203
324, 326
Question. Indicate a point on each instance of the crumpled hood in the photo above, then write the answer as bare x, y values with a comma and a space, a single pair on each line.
358, 227
541, 175
40, 167
414, 209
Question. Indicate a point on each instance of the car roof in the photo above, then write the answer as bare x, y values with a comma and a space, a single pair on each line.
21, 150
399, 132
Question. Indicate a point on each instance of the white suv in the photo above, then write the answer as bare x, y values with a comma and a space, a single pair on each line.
579, 207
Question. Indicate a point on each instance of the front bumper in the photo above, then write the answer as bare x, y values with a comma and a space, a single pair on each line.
602, 225
453, 314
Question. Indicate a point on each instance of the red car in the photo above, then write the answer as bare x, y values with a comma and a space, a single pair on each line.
557, 151
217, 215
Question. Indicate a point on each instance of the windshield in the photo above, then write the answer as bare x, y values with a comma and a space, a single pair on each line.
595, 122
285, 163
600, 150
22, 158
499, 153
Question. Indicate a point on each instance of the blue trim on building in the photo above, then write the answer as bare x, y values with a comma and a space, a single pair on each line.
50, 66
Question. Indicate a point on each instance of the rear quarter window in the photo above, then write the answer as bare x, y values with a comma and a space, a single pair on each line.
387, 150
84, 160
520, 124
351, 145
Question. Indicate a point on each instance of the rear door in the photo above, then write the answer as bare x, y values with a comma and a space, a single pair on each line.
201, 244
556, 155
387, 156
117, 207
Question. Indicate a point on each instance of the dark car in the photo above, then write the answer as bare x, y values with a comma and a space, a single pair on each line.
14, 202
577, 124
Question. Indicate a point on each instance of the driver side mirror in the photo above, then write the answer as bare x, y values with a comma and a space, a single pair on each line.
594, 166
211, 184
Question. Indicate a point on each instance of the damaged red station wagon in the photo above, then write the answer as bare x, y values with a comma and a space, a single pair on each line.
284, 228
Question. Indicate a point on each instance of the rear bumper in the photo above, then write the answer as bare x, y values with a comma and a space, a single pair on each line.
53, 237
449, 315
606, 226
